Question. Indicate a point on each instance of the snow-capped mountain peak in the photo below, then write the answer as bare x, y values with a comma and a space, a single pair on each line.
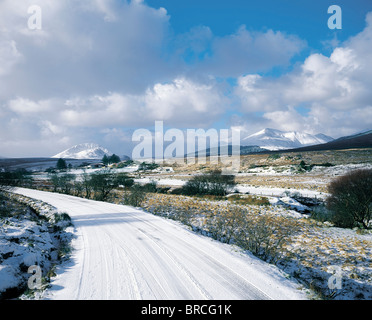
84, 151
273, 139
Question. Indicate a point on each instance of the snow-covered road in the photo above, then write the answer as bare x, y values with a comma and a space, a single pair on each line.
125, 253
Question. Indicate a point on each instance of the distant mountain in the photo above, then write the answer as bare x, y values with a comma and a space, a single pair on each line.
273, 139
38, 164
124, 158
355, 135
250, 149
359, 140
84, 151
217, 151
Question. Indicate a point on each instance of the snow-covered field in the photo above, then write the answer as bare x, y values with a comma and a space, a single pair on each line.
125, 253
242, 188
309, 253
79, 172
289, 170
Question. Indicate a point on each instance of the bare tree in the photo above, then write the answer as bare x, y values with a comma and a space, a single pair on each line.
5, 182
67, 183
87, 186
134, 196
10, 179
103, 182
54, 179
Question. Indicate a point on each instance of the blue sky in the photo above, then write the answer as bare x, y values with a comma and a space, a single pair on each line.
307, 19
99, 69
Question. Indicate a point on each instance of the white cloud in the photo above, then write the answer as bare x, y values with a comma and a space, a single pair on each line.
181, 102
84, 48
91, 47
98, 67
9, 56
48, 128
184, 102
335, 90
97, 111
239, 53
25, 106
246, 51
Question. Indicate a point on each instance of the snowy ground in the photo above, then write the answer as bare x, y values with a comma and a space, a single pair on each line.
29, 237
289, 170
80, 172
309, 254
242, 188
125, 253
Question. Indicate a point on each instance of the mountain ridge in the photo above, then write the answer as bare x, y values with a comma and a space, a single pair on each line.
274, 139
355, 141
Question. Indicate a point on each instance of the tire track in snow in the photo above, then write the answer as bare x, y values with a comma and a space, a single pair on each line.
167, 277
134, 290
229, 278
113, 262
235, 280
188, 275
155, 290
203, 293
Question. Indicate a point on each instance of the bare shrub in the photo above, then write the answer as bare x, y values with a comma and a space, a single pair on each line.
350, 199
213, 183
134, 196
265, 235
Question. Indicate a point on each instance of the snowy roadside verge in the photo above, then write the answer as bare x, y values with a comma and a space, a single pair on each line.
334, 263
34, 235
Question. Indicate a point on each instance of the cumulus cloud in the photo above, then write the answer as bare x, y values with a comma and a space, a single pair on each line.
185, 102
25, 106
92, 47
100, 67
239, 53
9, 56
247, 51
335, 90
84, 47
181, 102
